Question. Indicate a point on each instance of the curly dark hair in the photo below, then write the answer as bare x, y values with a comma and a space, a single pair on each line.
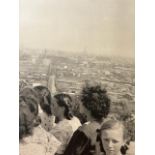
64, 100
27, 106
96, 100
45, 99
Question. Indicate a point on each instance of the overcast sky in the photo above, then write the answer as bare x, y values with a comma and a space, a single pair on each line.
98, 26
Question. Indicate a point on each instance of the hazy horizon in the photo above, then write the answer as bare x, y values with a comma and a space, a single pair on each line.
102, 27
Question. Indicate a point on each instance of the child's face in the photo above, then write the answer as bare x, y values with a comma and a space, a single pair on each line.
112, 140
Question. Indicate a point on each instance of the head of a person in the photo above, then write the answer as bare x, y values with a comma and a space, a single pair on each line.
95, 102
113, 137
62, 106
44, 99
29, 92
28, 112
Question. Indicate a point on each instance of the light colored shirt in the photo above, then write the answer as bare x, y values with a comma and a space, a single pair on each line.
64, 130
47, 122
40, 142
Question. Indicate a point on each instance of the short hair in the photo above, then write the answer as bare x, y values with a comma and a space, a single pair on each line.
96, 100
114, 124
27, 105
45, 105
64, 100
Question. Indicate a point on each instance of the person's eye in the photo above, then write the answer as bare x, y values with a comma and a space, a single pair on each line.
106, 140
114, 141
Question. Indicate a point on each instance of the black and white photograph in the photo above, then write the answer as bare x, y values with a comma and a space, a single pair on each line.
76, 77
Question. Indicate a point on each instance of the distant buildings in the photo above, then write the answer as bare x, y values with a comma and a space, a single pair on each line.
68, 74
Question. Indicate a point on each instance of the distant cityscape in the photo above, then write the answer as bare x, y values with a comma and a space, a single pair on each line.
72, 71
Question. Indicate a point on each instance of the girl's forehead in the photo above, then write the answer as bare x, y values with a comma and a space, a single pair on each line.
117, 132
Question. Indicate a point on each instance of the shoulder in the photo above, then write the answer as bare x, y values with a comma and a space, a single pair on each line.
79, 135
40, 135
75, 123
89, 128
75, 119
63, 126
62, 130
90, 131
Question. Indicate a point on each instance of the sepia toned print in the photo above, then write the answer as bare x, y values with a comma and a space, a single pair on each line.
77, 77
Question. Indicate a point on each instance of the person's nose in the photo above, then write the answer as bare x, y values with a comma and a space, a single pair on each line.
110, 144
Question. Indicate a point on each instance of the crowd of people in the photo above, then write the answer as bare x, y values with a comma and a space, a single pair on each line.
48, 126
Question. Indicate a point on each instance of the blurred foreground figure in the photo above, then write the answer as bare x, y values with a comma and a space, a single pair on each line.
32, 137
45, 108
